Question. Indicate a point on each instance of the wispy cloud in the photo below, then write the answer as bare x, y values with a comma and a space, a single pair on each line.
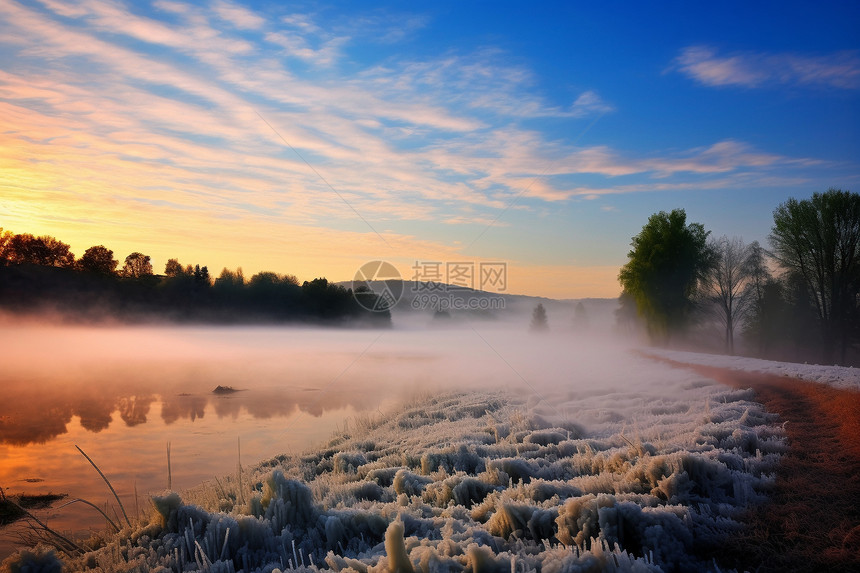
114, 114
762, 69
239, 16
589, 103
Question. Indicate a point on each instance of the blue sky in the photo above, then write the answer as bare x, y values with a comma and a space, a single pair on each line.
310, 138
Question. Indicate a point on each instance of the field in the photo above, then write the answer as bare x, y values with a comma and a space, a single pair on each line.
632, 464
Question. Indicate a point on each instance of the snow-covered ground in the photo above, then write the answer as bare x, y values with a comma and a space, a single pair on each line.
578, 457
844, 377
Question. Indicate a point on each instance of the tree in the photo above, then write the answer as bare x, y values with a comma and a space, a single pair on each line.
758, 275
25, 249
580, 317
229, 287
137, 265
726, 284
666, 266
627, 319
173, 268
818, 239
228, 279
5, 237
273, 292
201, 276
57, 253
45, 251
763, 295
98, 260
539, 322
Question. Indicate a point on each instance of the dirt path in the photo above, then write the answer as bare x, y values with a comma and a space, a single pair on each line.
812, 521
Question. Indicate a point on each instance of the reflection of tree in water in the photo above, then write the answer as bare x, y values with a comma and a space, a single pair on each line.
133, 410
29, 414
94, 409
227, 406
35, 424
95, 413
276, 405
183, 406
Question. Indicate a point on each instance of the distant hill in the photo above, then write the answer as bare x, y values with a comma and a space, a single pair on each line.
415, 299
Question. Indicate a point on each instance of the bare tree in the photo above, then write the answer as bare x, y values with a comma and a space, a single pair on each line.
726, 284
760, 286
758, 275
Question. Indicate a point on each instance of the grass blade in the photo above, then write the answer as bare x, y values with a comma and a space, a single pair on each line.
107, 481
94, 506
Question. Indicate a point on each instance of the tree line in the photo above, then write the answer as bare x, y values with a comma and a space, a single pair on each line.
797, 300
39, 274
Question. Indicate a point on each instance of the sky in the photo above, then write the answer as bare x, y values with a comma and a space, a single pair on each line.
309, 138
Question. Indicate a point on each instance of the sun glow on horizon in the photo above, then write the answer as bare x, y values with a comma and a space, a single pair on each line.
246, 135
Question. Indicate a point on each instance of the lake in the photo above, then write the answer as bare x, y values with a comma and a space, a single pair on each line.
122, 394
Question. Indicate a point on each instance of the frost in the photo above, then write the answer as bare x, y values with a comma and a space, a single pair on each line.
837, 376
479, 481
36, 560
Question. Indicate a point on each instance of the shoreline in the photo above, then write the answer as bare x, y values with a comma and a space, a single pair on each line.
482, 479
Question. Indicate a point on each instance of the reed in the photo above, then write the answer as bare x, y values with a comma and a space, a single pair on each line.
107, 481
169, 475
239, 469
94, 506
63, 542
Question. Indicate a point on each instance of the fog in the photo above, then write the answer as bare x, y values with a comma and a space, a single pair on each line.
122, 392
443, 389
114, 374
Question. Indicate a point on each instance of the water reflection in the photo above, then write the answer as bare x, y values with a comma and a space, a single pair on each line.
123, 394
38, 413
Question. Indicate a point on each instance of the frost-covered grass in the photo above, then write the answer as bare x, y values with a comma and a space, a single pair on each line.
586, 479
845, 377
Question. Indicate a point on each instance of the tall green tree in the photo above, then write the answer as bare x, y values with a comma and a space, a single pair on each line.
668, 262
818, 239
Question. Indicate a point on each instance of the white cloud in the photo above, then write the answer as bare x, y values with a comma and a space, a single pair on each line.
589, 103
762, 69
437, 140
239, 16
67, 9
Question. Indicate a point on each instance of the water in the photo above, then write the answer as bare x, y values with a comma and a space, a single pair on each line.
123, 393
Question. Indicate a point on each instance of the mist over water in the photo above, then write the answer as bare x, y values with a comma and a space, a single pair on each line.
122, 393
